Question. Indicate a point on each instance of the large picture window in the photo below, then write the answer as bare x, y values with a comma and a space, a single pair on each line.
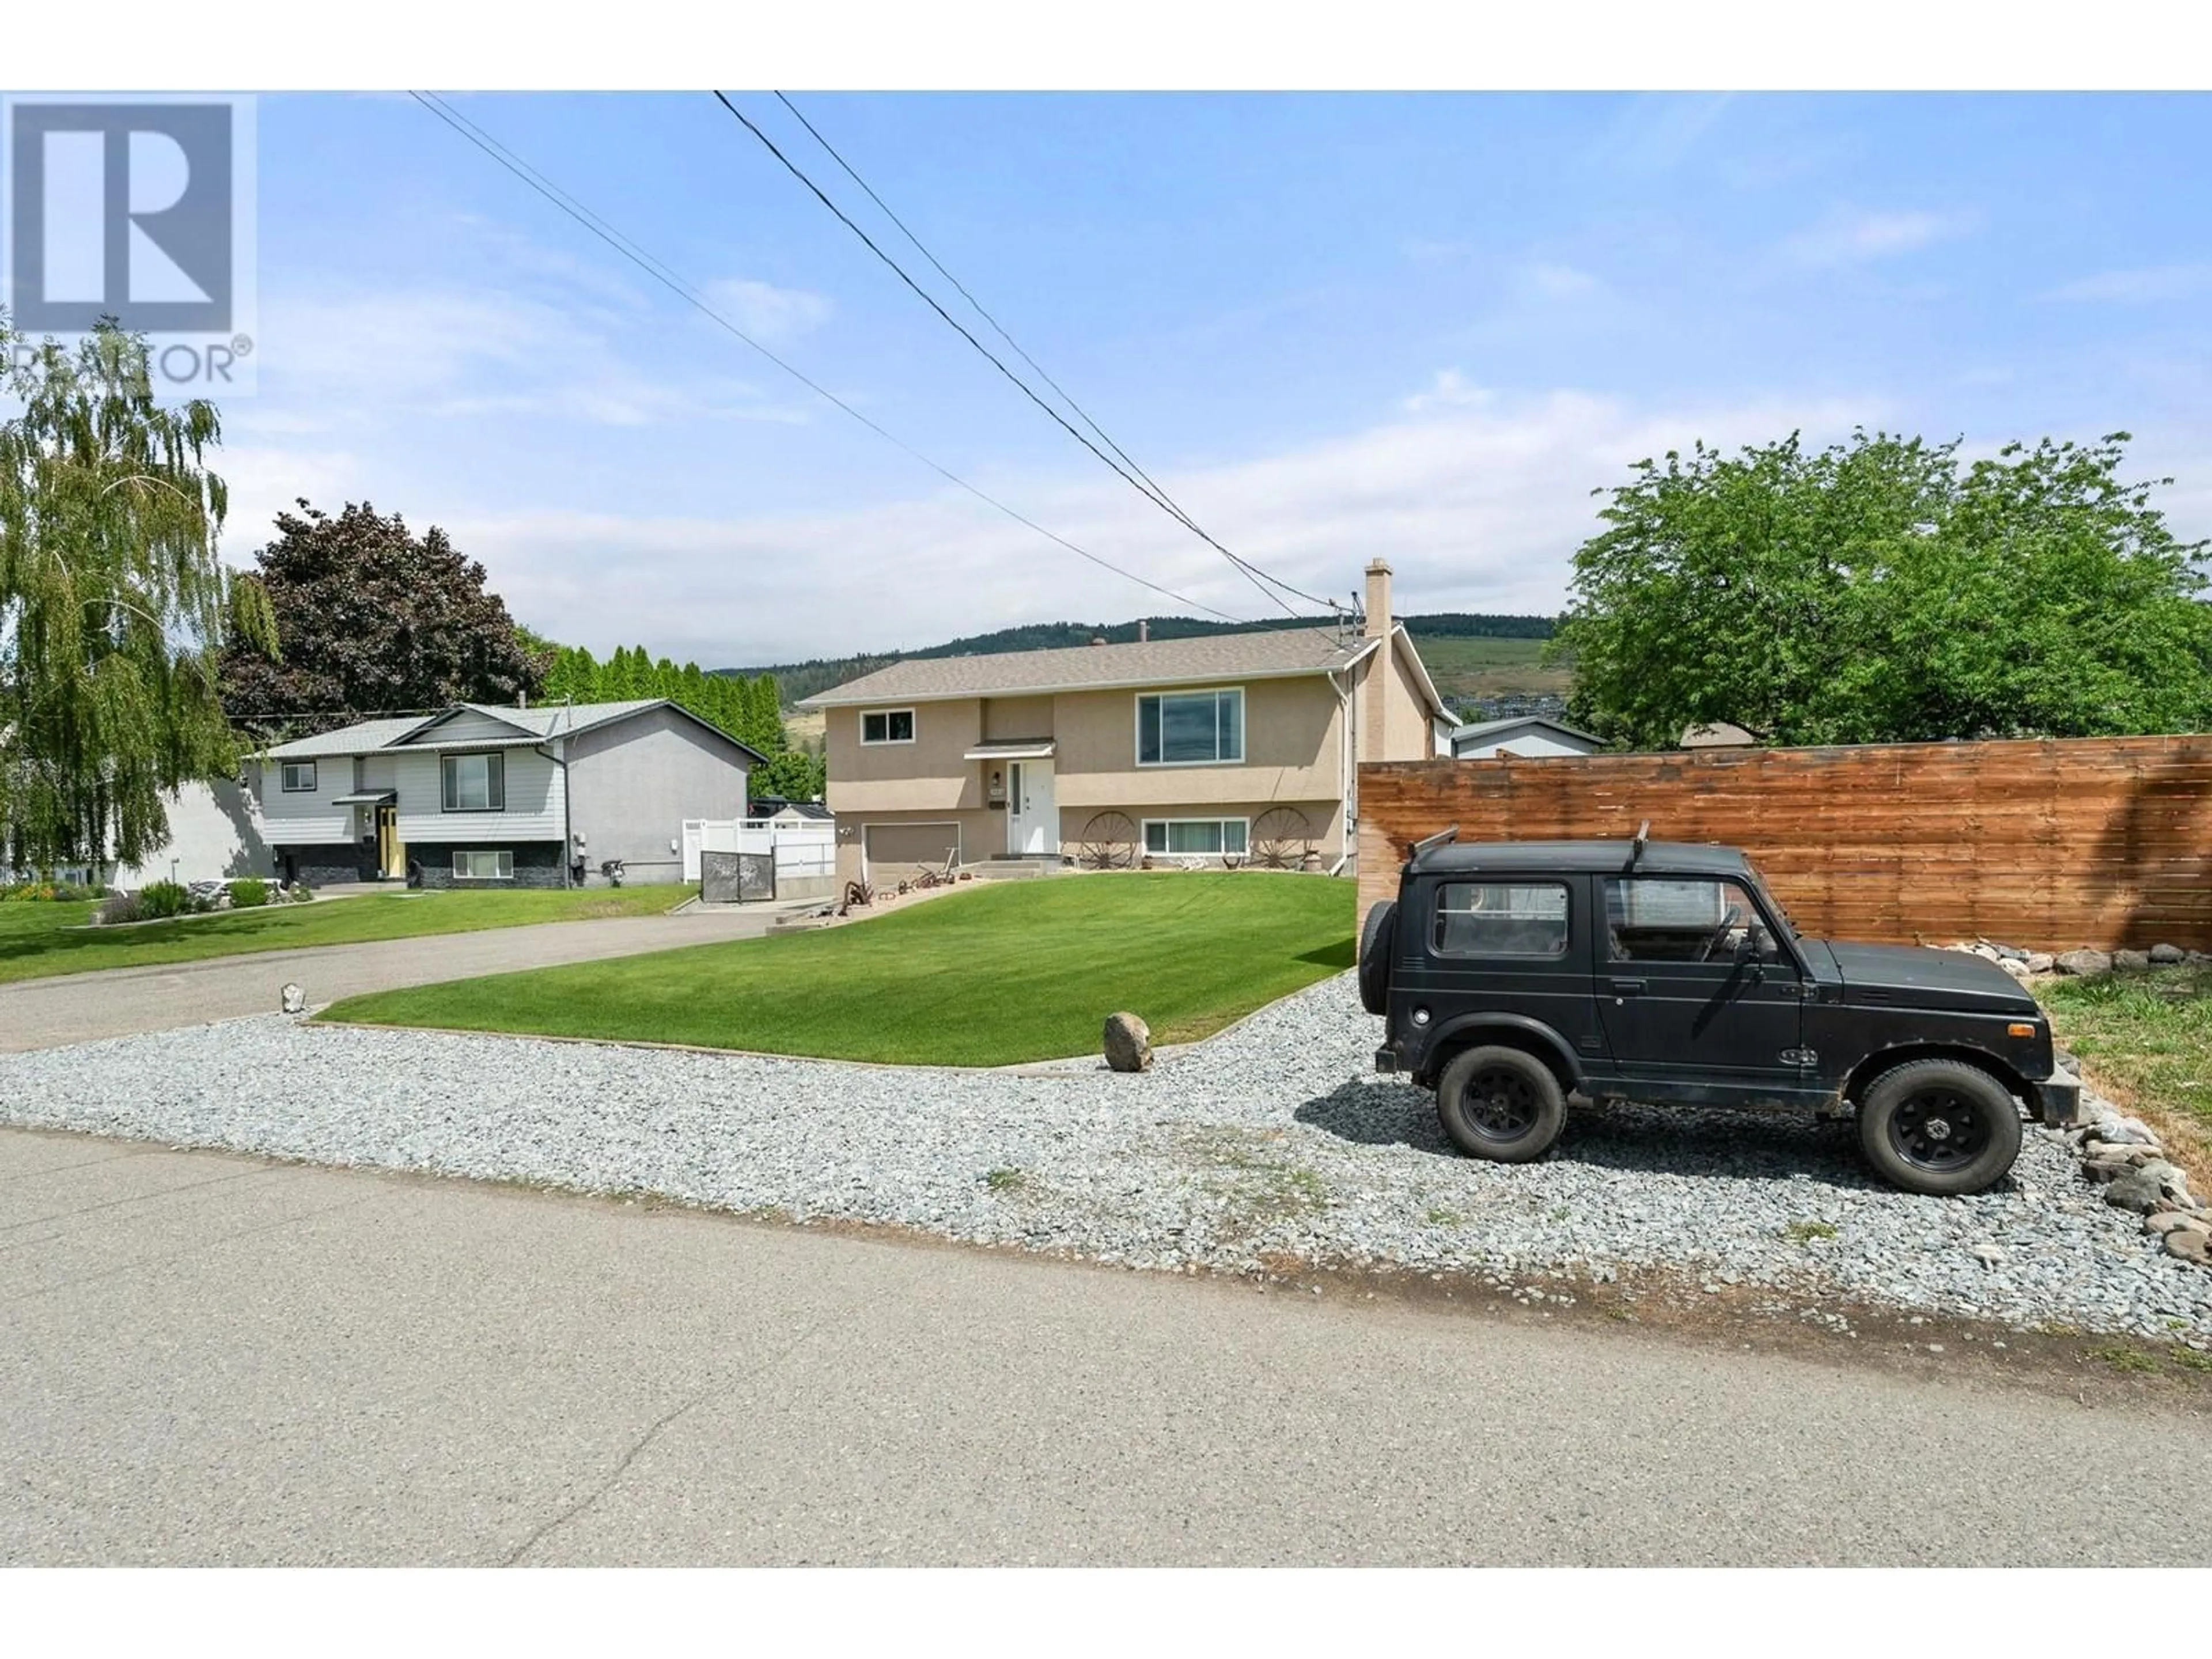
1190, 728
887, 726
476, 783
1200, 837
298, 777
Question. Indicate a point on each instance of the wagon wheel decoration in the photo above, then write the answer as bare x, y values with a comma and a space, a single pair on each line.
1281, 838
1109, 842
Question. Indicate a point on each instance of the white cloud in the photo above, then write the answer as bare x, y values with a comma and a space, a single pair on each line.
1448, 389
2143, 285
1854, 238
767, 313
1478, 501
1551, 281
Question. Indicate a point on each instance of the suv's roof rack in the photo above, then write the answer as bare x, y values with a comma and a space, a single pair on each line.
1442, 837
1636, 847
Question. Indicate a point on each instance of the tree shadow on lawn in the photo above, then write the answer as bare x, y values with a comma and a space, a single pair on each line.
1339, 956
1743, 1146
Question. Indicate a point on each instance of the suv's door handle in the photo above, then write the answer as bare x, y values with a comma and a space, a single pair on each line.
1629, 987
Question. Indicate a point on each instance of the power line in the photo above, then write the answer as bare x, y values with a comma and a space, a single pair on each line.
668, 279
1131, 473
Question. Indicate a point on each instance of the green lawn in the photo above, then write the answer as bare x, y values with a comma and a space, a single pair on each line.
40, 939
2147, 1040
1009, 971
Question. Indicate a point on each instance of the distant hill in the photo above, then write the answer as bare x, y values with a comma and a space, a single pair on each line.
1484, 671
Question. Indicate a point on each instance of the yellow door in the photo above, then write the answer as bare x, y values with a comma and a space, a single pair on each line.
391, 851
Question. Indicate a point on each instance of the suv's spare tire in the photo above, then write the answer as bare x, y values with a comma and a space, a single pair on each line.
1378, 942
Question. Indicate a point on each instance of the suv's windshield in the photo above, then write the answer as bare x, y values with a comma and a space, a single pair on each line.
1773, 905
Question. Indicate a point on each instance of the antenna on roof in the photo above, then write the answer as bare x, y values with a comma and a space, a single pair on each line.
1636, 847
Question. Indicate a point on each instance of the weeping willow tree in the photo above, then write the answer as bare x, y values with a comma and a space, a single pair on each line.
113, 603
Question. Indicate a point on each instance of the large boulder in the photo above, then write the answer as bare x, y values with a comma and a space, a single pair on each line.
2040, 961
2131, 962
2084, 962
1129, 1044
2168, 955
2155, 1186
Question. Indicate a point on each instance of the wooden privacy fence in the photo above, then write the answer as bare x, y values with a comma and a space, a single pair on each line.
2045, 844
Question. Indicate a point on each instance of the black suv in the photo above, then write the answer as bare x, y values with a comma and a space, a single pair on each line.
1513, 975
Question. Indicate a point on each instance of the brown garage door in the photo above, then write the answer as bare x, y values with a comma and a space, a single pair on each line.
898, 852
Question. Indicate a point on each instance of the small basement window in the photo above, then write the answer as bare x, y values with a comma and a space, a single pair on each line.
298, 777
1202, 837
887, 726
483, 866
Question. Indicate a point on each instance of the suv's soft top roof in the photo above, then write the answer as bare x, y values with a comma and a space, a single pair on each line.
1676, 857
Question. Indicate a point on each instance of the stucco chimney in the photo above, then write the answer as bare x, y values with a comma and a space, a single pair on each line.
1378, 599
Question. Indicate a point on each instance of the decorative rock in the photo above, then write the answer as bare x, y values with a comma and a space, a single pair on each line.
2124, 1131
2083, 962
1129, 1044
2159, 1222
2142, 1191
2012, 965
1986, 952
1989, 1256
293, 999
2168, 955
2190, 1246
2011, 952
2040, 961
2130, 961
2112, 1163
2069, 1063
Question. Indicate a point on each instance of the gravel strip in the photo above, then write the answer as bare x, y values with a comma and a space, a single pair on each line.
1273, 1138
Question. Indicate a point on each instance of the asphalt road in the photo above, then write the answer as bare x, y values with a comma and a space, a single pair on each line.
212, 1359
46, 1013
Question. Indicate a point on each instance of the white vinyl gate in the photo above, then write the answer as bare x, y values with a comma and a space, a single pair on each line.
802, 851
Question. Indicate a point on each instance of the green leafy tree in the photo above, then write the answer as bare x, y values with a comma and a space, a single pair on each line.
376, 621
1879, 591
114, 607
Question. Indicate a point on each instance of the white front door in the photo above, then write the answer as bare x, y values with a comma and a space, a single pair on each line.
1032, 815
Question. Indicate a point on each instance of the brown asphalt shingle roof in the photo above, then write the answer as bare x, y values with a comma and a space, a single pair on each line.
1269, 654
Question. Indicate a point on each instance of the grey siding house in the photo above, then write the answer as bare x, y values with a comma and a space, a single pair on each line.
483, 796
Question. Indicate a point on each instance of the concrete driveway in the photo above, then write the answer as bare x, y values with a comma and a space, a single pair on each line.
48, 1013
213, 1359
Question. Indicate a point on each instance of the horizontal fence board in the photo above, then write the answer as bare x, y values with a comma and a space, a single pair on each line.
2048, 843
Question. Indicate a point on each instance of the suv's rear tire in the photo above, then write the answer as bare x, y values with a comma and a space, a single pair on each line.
1501, 1103
1939, 1127
1378, 943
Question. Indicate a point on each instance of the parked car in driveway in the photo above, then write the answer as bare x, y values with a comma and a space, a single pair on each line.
1512, 976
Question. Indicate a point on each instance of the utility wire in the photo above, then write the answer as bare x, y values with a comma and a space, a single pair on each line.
1131, 473
668, 279
1157, 490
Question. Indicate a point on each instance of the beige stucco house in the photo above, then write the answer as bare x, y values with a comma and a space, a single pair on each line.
1230, 747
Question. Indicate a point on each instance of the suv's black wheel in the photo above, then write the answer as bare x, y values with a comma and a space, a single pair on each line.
1378, 941
1502, 1104
1939, 1127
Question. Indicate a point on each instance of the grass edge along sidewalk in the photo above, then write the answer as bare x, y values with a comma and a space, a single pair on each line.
1007, 973
46, 939
2146, 1038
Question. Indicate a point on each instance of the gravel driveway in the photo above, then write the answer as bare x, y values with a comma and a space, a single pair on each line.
1271, 1138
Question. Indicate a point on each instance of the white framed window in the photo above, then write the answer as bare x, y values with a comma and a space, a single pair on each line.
887, 726
474, 783
483, 866
1196, 837
297, 777
1190, 728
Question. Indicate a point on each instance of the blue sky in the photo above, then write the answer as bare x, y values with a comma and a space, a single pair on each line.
1335, 326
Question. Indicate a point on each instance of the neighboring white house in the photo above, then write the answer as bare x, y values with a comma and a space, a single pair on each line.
214, 832
1521, 734
486, 796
